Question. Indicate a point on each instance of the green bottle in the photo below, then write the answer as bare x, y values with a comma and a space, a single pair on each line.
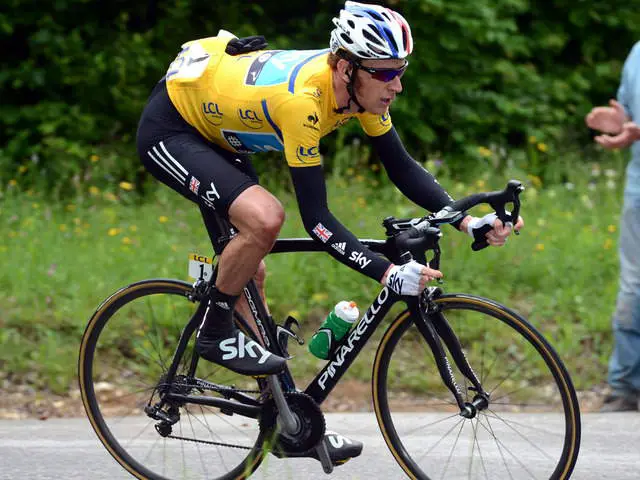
334, 328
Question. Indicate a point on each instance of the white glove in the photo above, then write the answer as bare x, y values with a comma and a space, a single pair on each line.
405, 279
475, 223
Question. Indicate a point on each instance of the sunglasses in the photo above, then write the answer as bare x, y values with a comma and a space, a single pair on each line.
384, 74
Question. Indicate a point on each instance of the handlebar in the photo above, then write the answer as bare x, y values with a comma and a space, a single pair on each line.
413, 237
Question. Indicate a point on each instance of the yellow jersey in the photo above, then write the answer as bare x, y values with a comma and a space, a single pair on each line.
261, 101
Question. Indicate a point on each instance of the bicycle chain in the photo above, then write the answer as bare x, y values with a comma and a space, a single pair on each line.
218, 444
221, 390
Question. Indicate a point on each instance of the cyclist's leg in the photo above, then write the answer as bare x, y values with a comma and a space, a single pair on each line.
214, 179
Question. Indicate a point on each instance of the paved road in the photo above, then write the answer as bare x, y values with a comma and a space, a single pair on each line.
69, 449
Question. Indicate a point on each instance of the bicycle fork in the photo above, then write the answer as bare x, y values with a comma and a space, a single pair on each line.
434, 327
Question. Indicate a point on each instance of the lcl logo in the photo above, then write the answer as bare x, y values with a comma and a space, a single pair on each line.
250, 118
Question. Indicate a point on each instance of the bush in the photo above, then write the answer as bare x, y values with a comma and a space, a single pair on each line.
489, 73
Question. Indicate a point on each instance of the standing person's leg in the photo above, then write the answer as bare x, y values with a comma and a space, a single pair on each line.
624, 365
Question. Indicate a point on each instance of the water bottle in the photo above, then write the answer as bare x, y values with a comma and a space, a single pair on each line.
334, 328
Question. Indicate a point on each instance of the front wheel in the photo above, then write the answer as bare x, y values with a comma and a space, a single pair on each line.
531, 428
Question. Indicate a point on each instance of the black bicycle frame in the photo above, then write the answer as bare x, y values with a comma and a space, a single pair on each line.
431, 324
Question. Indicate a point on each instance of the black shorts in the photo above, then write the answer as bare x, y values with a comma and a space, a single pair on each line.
177, 155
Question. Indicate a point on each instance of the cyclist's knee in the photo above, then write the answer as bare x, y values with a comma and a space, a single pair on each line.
259, 215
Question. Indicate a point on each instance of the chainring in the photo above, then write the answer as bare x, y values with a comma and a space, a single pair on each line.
307, 411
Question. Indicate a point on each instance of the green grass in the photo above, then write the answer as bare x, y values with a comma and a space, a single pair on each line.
60, 260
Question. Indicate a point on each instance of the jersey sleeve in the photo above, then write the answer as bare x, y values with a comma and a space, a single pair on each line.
299, 122
375, 125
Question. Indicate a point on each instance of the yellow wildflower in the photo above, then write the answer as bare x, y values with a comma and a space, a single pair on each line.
126, 186
110, 196
542, 147
63, 227
163, 219
319, 297
484, 152
535, 180
539, 247
133, 228
361, 202
23, 168
113, 231
608, 243
94, 158
480, 183
13, 182
93, 190
532, 139
611, 228
126, 241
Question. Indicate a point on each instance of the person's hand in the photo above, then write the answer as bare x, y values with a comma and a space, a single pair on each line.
410, 278
607, 119
498, 235
629, 134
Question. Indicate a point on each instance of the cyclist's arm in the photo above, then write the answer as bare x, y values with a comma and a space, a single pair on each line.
409, 176
323, 227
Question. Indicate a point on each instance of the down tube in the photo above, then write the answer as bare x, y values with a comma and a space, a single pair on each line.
350, 346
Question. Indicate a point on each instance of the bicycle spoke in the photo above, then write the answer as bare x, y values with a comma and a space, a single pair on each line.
135, 345
520, 378
453, 447
510, 425
492, 434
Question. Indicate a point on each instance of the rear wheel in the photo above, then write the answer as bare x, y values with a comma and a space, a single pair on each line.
531, 428
125, 353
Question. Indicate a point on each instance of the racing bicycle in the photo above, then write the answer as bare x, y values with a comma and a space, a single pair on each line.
463, 387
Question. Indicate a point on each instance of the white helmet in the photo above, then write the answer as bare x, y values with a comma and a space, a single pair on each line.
371, 31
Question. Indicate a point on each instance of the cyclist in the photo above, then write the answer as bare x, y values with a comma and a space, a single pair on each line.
223, 98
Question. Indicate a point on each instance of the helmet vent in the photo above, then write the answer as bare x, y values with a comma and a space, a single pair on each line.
391, 39
375, 49
346, 38
375, 15
351, 24
372, 38
405, 40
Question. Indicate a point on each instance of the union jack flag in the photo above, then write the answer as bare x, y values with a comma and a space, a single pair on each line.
194, 185
322, 232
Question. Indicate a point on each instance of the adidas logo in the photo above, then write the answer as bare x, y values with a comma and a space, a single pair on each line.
244, 348
224, 305
339, 247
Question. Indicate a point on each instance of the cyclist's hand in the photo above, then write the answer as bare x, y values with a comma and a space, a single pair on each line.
498, 234
410, 278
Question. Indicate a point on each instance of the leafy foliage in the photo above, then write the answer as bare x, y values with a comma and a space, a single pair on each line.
490, 73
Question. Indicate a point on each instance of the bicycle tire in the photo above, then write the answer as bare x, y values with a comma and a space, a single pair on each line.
396, 387
114, 347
